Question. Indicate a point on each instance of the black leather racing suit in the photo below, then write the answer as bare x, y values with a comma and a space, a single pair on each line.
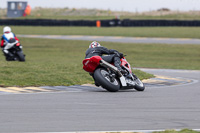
112, 56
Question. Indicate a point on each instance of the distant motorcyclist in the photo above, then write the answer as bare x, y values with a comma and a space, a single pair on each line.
7, 35
112, 56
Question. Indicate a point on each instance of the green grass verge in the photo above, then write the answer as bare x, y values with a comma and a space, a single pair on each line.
59, 62
181, 131
172, 32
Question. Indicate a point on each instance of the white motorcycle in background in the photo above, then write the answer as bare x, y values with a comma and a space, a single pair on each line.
15, 48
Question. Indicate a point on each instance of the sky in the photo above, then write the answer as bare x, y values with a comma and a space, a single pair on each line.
115, 5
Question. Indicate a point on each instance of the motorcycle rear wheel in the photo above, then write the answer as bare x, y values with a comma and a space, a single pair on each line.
101, 75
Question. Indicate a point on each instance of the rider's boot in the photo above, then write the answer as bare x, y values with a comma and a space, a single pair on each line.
9, 56
117, 63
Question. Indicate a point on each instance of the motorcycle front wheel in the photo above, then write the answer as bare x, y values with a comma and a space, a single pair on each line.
21, 56
139, 86
102, 76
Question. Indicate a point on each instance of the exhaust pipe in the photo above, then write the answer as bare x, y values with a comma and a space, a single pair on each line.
106, 64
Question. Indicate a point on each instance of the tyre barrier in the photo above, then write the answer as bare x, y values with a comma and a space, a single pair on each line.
103, 23
46, 22
129, 23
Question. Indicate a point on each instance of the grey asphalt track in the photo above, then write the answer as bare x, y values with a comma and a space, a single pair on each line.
158, 107
118, 39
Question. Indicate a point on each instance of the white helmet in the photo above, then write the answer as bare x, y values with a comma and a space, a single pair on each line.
6, 29
94, 44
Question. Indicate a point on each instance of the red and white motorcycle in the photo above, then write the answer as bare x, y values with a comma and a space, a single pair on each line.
109, 77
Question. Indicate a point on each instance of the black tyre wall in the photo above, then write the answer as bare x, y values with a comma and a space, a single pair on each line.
104, 82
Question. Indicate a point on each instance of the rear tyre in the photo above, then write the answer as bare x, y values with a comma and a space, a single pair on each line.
101, 75
21, 56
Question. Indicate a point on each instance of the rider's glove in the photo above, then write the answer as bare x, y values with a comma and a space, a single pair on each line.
4, 44
117, 53
121, 55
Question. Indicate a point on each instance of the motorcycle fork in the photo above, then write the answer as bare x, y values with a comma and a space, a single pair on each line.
128, 74
134, 76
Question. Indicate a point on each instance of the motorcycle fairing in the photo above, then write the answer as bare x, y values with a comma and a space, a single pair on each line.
90, 64
10, 45
126, 64
17, 44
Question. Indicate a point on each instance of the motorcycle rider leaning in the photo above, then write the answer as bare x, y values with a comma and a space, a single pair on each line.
112, 56
7, 35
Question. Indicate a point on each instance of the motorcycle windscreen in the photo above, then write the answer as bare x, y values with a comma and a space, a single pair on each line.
90, 64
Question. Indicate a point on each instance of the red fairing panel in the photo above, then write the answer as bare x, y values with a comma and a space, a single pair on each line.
90, 64
17, 44
126, 64
2, 43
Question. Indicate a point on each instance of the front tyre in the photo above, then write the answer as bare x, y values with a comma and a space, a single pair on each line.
21, 56
102, 76
139, 86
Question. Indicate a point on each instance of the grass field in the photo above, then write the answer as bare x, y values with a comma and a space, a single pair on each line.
48, 62
59, 62
173, 32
